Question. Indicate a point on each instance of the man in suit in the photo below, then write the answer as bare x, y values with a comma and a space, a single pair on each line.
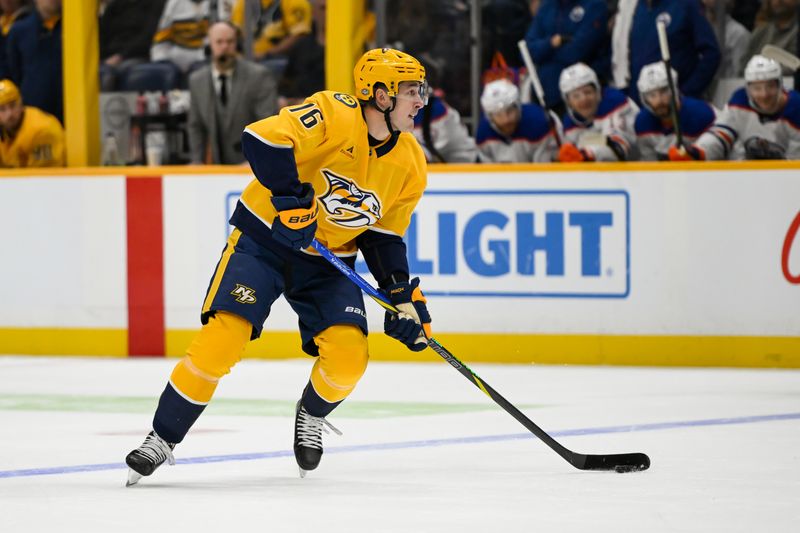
226, 95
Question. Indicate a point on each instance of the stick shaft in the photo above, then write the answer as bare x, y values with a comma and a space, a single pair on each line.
537, 87
575, 459
630, 461
673, 107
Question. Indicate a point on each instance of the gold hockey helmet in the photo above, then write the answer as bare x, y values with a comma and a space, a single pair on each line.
8, 92
388, 67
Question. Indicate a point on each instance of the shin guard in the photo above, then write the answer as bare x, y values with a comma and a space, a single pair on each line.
343, 357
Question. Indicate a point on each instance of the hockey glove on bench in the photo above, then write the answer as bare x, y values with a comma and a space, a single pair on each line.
296, 222
569, 153
412, 326
689, 152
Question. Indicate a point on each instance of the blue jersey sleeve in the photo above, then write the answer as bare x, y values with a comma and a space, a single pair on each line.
485, 131
533, 124
647, 123
612, 100
696, 116
791, 113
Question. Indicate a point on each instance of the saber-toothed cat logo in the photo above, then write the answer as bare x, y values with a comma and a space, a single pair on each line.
347, 205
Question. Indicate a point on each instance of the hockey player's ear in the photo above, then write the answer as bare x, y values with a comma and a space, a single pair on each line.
382, 98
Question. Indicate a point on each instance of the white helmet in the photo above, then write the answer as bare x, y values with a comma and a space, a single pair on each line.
576, 76
498, 95
761, 68
654, 76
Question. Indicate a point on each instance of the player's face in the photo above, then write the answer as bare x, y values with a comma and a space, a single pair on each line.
766, 95
658, 100
409, 101
506, 120
11, 115
584, 101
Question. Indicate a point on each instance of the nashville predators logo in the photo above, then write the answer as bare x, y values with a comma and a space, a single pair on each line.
347, 205
244, 295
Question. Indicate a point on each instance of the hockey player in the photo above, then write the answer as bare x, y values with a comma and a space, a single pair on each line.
511, 132
442, 135
760, 121
599, 123
29, 137
654, 129
344, 170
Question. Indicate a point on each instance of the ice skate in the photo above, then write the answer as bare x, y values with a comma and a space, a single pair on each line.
144, 460
308, 438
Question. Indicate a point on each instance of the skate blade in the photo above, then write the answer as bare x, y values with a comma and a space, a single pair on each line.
302, 473
133, 477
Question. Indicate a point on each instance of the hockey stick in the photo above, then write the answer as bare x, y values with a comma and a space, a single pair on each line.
537, 87
787, 59
622, 462
673, 102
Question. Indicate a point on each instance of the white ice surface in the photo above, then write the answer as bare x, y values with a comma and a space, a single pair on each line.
735, 475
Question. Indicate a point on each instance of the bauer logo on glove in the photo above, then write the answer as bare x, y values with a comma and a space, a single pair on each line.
296, 222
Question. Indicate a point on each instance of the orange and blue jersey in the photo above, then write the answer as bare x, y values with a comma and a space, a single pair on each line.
531, 141
655, 137
740, 121
610, 135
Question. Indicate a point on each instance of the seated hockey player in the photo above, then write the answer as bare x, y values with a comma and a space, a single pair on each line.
29, 137
442, 135
349, 172
599, 123
760, 121
511, 132
655, 133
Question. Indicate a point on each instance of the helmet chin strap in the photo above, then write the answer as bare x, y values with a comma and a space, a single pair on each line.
387, 118
386, 113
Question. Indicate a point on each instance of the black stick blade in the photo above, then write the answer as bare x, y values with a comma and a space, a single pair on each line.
621, 462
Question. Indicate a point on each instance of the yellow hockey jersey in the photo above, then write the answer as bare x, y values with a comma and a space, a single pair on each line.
325, 142
39, 142
276, 21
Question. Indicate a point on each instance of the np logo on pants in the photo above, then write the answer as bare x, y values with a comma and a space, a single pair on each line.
244, 295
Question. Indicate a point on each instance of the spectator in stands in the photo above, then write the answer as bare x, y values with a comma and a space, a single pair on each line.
181, 33
779, 28
745, 11
511, 132
761, 120
693, 47
29, 137
278, 25
10, 12
504, 23
655, 132
442, 135
599, 123
304, 74
737, 37
565, 32
34, 57
226, 95
127, 28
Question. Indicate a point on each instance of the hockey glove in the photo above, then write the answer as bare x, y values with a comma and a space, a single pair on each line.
758, 148
296, 222
689, 152
412, 326
569, 153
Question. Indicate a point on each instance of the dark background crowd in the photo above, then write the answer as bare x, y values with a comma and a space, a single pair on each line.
236, 61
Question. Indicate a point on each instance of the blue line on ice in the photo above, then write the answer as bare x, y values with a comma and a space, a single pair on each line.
28, 472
